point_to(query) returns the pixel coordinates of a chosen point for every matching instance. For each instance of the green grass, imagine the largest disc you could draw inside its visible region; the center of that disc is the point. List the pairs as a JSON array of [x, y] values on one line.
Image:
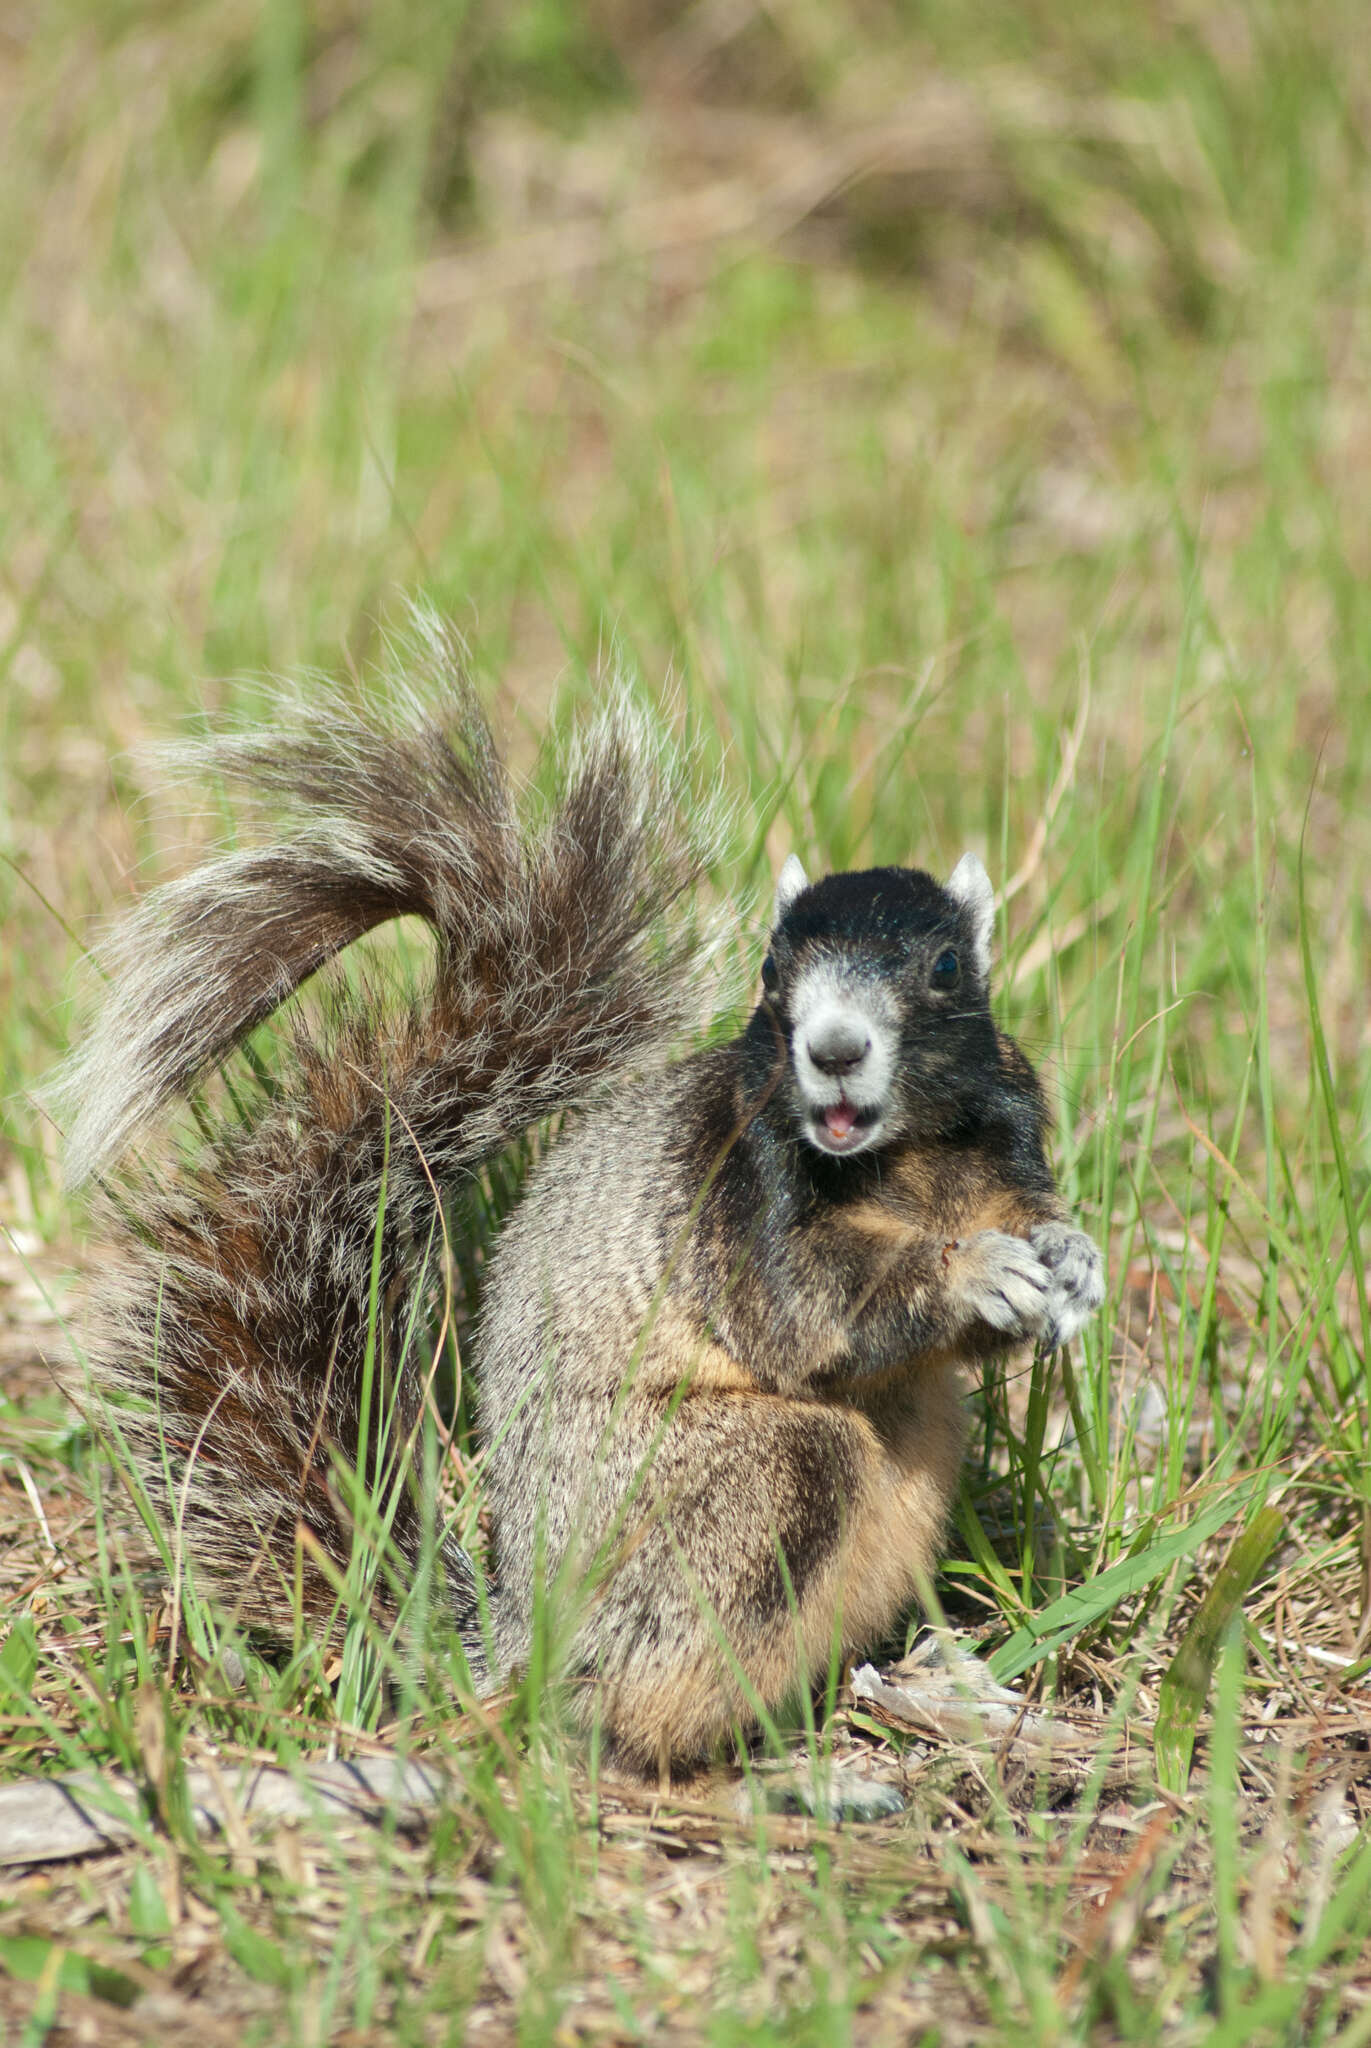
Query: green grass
[[1009, 488]]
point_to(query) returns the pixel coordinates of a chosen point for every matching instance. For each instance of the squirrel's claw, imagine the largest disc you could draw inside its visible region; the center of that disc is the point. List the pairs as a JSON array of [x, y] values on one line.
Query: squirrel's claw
[[1001, 1280], [1076, 1273]]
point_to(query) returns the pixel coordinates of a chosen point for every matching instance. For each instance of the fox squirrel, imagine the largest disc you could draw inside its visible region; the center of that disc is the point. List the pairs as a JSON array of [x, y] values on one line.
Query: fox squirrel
[[716, 1361]]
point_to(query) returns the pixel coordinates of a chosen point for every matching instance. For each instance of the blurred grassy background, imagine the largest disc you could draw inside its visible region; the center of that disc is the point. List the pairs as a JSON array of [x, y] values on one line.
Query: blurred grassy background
[[965, 408], [886, 373]]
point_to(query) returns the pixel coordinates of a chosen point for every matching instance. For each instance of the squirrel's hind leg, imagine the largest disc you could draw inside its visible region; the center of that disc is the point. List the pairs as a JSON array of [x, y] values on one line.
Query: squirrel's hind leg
[[770, 1537]]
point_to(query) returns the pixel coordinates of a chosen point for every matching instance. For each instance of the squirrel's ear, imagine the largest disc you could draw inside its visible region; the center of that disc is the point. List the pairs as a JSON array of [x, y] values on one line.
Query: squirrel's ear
[[970, 884], [789, 883]]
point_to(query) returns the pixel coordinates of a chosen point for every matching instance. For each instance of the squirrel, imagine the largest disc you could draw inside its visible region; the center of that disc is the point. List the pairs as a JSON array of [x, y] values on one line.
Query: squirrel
[[716, 1359]]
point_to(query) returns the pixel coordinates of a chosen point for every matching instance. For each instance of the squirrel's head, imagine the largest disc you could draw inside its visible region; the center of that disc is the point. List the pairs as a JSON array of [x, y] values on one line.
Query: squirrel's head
[[878, 983]]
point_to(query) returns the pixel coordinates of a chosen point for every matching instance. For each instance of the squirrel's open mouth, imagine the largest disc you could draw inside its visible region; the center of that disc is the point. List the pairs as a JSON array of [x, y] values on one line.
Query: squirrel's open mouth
[[842, 1126]]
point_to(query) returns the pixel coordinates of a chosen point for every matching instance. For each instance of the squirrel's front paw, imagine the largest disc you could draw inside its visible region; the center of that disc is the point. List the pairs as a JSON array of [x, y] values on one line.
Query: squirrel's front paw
[[1076, 1270], [1002, 1281]]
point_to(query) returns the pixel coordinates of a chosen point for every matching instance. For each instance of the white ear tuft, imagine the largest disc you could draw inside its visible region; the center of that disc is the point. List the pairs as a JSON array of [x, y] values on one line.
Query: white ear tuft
[[970, 884], [789, 883]]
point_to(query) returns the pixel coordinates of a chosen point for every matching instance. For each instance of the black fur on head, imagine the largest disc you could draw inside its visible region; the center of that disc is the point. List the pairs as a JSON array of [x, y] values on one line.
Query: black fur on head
[[875, 994]]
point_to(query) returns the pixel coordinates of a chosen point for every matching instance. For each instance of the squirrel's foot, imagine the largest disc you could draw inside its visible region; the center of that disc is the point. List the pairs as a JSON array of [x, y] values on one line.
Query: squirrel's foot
[[1076, 1270], [1002, 1280], [832, 1795]]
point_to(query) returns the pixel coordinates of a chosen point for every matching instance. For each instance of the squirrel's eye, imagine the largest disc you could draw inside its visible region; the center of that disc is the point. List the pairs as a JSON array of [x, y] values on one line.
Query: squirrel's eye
[[770, 977], [947, 970]]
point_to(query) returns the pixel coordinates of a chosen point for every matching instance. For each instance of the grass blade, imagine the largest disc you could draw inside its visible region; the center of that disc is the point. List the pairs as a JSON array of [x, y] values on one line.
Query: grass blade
[[1185, 1687], [1062, 1619]]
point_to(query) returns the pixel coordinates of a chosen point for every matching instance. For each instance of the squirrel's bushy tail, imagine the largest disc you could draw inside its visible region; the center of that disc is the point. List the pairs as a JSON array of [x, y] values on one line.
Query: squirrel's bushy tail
[[250, 1286]]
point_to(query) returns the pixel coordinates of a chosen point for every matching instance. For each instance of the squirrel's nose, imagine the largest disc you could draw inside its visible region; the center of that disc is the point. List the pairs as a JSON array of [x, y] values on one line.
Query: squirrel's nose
[[837, 1047]]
